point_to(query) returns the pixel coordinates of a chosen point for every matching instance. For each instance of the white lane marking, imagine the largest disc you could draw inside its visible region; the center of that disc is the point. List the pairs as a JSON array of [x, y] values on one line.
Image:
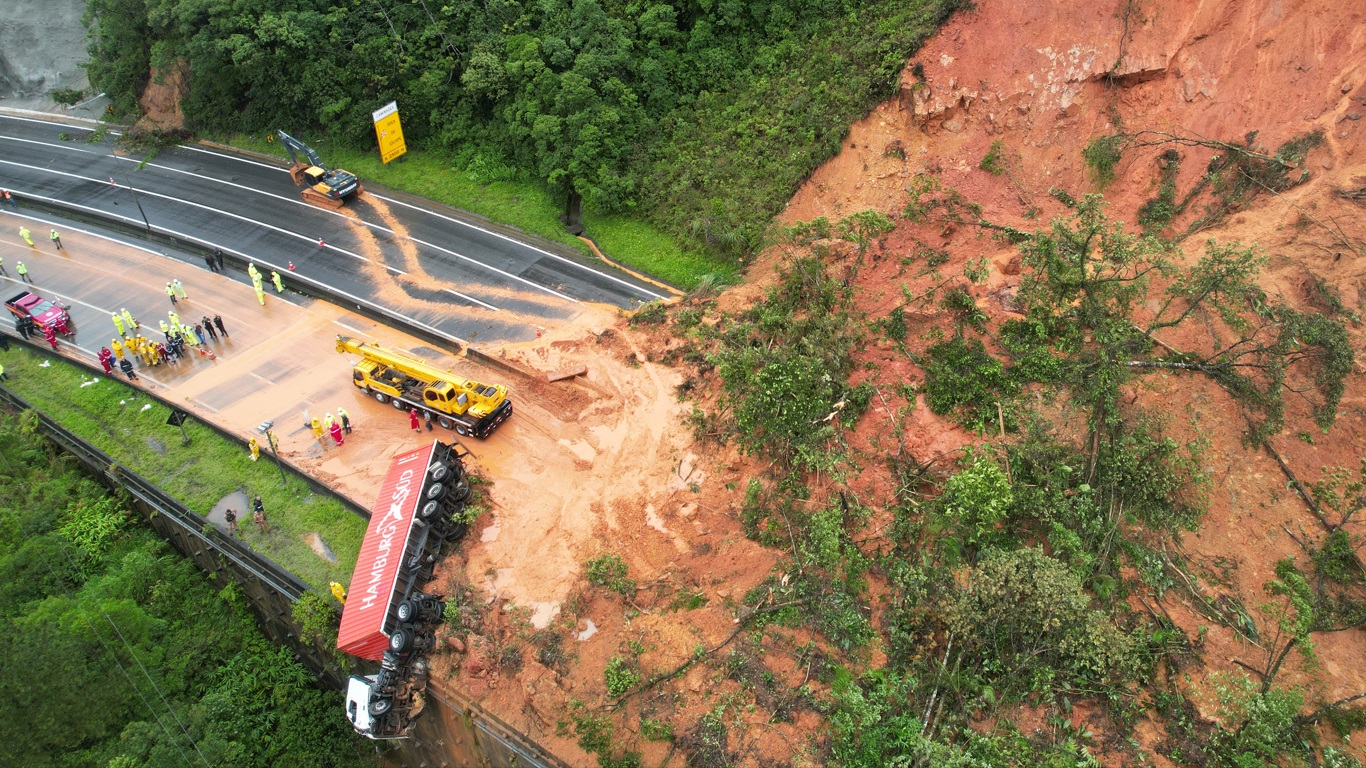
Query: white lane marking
[[317, 284], [453, 220], [55, 145], [395, 270], [471, 298], [60, 124], [67, 225], [528, 246], [232, 156], [200, 206], [351, 328], [466, 224]]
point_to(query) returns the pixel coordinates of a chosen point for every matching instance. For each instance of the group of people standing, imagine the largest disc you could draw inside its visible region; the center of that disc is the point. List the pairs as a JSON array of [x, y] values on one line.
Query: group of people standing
[[132, 344], [337, 428]]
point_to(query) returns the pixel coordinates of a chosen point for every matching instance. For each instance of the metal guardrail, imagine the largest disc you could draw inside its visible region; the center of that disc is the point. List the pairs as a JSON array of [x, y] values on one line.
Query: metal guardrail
[[245, 558], [314, 484], [497, 743]]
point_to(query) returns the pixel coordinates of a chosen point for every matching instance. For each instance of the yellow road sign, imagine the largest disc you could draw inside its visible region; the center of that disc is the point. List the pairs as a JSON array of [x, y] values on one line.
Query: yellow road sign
[[389, 131]]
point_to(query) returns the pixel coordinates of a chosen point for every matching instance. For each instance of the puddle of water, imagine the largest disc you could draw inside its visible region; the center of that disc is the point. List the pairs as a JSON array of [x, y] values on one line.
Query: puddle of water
[[156, 445], [316, 543], [235, 500], [543, 613], [491, 532], [587, 633]]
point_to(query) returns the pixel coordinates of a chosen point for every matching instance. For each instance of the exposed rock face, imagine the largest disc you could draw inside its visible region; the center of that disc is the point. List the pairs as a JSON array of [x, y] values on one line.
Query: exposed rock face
[[42, 44]]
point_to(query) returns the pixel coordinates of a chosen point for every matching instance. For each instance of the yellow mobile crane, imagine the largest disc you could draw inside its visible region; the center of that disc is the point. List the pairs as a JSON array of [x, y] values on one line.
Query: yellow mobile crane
[[468, 407]]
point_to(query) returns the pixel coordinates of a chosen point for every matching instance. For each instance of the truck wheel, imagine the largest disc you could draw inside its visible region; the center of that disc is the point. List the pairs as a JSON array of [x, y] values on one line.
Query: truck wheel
[[406, 611], [461, 430], [444, 422], [401, 641], [399, 404], [430, 511], [381, 706], [380, 396], [439, 473]]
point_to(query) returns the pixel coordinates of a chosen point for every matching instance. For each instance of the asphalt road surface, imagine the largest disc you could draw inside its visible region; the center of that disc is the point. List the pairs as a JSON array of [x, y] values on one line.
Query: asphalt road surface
[[444, 272]]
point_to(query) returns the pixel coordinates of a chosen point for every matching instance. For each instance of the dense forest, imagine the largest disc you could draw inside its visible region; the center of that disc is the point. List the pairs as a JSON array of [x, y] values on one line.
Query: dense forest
[[700, 116], [121, 653]]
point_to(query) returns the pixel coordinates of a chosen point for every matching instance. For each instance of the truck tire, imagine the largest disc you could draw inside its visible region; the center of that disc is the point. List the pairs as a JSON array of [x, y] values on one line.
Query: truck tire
[[439, 473], [406, 611], [381, 706], [461, 430], [380, 396], [444, 422], [401, 641], [430, 511], [399, 404], [437, 492]]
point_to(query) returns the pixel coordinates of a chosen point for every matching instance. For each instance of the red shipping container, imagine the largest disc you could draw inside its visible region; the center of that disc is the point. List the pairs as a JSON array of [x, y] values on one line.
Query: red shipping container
[[365, 623]]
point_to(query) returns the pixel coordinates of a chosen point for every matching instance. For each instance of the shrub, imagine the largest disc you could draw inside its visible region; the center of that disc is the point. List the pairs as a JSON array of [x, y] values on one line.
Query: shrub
[[962, 380], [609, 570], [621, 676]]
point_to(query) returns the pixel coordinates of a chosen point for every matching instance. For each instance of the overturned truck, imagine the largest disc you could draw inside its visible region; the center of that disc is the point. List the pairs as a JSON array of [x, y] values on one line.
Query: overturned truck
[[389, 617]]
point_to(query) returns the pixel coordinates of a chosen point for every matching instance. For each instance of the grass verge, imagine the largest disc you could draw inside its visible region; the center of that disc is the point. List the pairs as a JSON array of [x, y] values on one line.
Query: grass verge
[[131, 427], [525, 205]]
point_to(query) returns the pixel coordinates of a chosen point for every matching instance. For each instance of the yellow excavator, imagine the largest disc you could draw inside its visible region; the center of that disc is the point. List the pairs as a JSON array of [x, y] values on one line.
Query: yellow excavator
[[328, 187], [470, 408]]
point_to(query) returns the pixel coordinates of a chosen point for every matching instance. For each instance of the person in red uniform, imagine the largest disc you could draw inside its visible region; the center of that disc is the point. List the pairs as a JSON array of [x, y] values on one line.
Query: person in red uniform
[[105, 357], [51, 337]]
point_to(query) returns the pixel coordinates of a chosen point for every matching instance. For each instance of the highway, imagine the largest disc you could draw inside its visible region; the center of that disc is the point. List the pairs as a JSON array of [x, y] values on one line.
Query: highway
[[442, 270]]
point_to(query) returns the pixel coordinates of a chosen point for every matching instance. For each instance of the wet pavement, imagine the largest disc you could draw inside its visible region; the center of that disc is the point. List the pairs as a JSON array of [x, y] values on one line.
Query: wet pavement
[[442, 269]]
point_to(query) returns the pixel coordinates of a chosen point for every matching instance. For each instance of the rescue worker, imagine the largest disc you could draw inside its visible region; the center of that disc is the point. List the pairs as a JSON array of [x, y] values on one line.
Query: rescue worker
[[117, 347], [23, 272], [27, 235], [129, 321], [165, 329], [106, 360], [56, 239], [51, 336], [127, 369], [317, 426], [179, 289], [118, 322], [345, 420], [327, 422], [275, 278], [255, 449], [170, 293], [175, 319], [260, 294]]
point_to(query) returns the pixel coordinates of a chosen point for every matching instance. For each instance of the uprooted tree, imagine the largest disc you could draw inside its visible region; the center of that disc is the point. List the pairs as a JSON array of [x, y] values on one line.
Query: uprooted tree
[[1088, 294]]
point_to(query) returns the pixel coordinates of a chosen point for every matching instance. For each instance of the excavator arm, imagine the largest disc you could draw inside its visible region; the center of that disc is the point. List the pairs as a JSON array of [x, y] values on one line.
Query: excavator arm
[[296, 148]]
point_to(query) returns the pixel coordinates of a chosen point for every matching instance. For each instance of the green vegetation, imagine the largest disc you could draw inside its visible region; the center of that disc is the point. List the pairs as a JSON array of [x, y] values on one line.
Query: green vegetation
[[124, 655], [608, 570], [700, 119], [621, 676], [1012, 574], [132, 429], [993, 162]]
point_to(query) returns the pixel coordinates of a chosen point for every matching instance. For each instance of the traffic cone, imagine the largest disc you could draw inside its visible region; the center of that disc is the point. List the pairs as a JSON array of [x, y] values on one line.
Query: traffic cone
[[291, 266], [321, 243], [212, 356]]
